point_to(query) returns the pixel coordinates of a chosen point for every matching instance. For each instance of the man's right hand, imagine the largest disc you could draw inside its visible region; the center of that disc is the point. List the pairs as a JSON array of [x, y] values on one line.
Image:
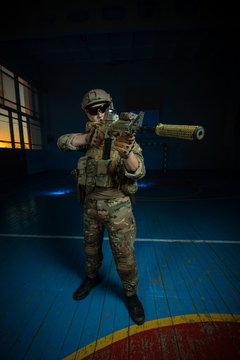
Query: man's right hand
[[95, 137]]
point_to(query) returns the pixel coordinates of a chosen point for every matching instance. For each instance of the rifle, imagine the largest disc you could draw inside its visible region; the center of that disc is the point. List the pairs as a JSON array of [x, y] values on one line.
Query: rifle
[[130, 123]]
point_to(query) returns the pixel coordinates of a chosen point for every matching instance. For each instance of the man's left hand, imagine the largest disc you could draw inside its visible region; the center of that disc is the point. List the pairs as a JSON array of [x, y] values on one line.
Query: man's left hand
[[124, 144]]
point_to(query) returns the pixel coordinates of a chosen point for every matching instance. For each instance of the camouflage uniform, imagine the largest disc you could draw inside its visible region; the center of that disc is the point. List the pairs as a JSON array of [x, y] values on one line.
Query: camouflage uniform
[[104, 187]]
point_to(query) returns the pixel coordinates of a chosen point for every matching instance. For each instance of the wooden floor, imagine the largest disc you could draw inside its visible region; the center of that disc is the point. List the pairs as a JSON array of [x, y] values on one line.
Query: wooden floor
[[188, 255]]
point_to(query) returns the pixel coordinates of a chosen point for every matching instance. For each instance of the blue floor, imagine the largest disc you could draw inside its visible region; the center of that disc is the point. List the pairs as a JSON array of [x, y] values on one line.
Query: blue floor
[[187, 249]]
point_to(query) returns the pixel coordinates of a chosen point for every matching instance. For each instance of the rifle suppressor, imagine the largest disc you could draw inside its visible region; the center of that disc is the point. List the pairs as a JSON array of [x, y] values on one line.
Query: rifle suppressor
[[188, 132]]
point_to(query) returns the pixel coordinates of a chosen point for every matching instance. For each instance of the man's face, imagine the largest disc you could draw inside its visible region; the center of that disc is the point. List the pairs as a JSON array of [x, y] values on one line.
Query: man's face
[[95, 113]]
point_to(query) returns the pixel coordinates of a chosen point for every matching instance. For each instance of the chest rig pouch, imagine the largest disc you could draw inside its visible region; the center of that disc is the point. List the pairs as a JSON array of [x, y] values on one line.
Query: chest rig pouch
[[104, 173], [91, 173]]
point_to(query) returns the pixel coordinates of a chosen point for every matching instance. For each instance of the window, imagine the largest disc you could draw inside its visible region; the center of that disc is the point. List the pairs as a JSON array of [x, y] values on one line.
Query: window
[[20, 126]]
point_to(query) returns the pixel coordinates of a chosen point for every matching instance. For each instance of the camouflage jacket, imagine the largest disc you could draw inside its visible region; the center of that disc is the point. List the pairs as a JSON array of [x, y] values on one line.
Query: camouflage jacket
[[92, 171]]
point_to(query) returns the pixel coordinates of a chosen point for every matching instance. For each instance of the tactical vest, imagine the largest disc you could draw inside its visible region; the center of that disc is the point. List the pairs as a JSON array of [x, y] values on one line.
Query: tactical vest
[[93, 171]]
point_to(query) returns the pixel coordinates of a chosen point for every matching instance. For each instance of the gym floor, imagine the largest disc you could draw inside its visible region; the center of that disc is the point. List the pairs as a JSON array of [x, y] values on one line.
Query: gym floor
[[187, 250]]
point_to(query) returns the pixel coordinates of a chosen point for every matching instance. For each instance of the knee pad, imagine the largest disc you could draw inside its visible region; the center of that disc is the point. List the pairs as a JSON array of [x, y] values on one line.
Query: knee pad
[[91, 250], [125, 268]]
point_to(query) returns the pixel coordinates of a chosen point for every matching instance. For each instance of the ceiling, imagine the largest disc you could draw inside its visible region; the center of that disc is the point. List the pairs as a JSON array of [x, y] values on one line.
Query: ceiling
[[118, 32]]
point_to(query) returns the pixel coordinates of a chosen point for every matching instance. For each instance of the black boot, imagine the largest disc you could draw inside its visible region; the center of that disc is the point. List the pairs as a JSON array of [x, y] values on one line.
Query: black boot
[[84, 289], [135, 309]]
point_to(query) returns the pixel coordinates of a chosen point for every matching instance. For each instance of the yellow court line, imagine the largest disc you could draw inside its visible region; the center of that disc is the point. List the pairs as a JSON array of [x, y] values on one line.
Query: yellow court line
[[149, 325]]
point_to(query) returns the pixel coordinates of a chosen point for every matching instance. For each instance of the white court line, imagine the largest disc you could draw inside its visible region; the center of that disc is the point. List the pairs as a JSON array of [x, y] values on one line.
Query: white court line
[[137, 239]]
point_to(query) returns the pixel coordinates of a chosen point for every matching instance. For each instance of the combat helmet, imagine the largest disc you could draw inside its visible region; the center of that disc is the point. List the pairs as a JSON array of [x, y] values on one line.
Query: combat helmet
[[95, 96]]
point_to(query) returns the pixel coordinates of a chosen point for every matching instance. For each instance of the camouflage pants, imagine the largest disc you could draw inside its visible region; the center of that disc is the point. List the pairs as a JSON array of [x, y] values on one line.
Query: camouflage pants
[[117, 217]]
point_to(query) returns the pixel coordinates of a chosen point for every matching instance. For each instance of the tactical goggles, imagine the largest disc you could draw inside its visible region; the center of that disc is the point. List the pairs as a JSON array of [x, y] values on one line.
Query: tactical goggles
[[94, 110]]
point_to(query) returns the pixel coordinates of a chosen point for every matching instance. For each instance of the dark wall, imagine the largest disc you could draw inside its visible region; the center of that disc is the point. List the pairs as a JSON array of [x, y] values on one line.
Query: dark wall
[[180, 58], [203, 93]]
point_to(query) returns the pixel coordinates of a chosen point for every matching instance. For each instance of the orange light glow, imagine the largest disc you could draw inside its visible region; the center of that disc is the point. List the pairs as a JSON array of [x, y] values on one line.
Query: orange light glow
[[5, 145]]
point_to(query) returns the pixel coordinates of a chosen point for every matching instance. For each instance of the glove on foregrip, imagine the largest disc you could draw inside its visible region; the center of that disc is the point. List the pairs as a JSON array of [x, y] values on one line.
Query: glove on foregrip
[[124, 145]]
